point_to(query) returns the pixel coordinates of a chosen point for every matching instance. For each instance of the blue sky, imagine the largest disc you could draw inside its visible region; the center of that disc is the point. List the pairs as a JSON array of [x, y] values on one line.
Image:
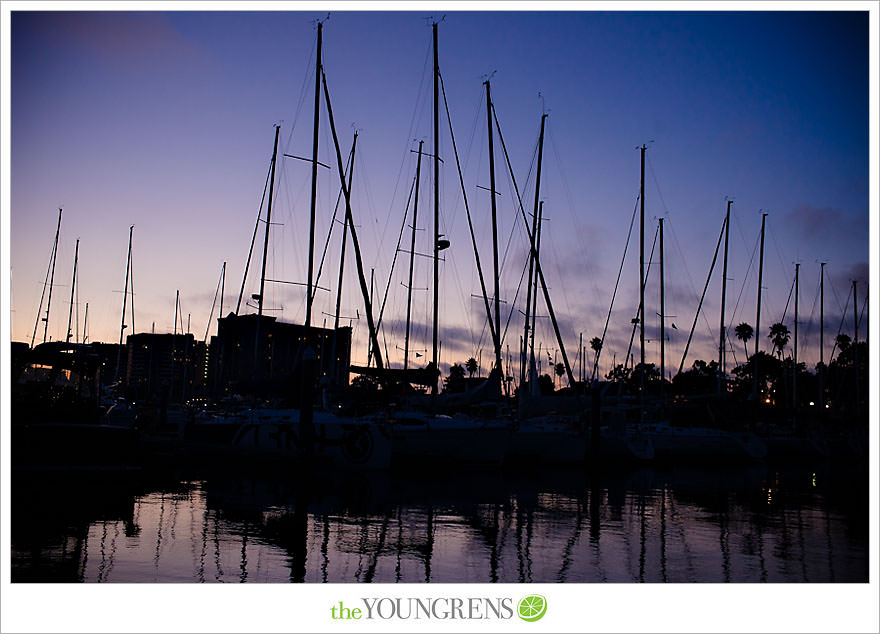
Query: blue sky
[[165, 121]]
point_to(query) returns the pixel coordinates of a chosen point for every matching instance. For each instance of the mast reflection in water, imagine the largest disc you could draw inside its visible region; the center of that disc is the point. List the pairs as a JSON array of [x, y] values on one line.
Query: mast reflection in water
[[760, 523]]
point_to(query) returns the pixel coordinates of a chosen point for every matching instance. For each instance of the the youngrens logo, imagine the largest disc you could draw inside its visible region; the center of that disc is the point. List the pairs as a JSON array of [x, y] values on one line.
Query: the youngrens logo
[[530, 608]]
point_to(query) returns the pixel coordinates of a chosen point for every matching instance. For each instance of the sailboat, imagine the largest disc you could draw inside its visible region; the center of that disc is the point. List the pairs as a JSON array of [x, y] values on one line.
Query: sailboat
[[300, 436]]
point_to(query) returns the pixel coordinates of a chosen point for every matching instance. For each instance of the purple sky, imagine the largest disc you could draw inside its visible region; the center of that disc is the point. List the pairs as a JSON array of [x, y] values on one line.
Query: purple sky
[[164, 121]]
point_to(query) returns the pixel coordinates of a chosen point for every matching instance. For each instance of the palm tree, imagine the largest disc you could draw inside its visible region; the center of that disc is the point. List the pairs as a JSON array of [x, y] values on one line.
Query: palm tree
[[779, 335], [596, 345], [471, 365], [559, 369], [744, 333]]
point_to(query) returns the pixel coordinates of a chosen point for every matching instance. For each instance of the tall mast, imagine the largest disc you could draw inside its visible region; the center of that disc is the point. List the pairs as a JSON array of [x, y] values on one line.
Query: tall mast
[[856, 345], [797, 270], [536, 252], [494, 228], [268, 224], [528, 311], [412, 252], [436, 210], [86, 325], [318, 67], [333, 358], [52, 279], [72, 291], [662, 317], [721, 343], [368, 304], [222, 286], [547, 301], [122, 326], [758, 312], [642, 275], [822, 338], [344, 240]]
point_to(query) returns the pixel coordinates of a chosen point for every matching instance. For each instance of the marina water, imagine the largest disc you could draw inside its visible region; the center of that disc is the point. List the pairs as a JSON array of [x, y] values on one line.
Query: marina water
[[760, 522]]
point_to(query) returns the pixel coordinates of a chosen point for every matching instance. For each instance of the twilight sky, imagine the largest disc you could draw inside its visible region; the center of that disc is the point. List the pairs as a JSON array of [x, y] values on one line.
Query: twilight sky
[[165, 121]]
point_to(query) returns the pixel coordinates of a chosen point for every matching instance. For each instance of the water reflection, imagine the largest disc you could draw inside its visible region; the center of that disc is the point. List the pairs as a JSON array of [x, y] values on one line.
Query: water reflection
[[746, 524]]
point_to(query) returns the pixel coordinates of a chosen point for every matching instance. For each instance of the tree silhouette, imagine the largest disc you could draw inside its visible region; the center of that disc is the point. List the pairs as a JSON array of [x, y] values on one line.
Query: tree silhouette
[[779, 335], [744, 333], [455, 381], [471, 365], [843, 342], [559, 369], [596, 345]]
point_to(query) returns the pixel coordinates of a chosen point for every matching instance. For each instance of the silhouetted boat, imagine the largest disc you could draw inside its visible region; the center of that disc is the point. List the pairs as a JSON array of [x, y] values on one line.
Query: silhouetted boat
[[278, 435], [702, 443], [57, 420]]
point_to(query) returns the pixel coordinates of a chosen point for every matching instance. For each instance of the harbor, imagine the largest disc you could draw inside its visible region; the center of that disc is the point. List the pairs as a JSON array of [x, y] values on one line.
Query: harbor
[[310, 327]]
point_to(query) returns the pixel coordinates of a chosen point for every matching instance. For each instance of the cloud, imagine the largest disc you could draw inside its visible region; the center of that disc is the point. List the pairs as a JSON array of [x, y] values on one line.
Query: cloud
[[119, 38], [826, 224]]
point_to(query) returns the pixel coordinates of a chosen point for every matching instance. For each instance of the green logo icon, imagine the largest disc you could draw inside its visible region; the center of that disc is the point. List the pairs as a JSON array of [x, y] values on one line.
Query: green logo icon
[[532, 608]]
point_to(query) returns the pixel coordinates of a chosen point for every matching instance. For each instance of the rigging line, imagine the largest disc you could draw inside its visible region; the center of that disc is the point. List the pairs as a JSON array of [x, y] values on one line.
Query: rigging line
[[561, 171], [329, 234], [839, 328], [672, 233], [510, 190], [686, 270], [742, 288], [515, 297], [616, 285], [837, 298], [788, 301], [254, 238], [513, 231], [211, 316], [495, 336], [862, 312], [705, 288], [396, 252], [657, 185], [809, 331], [46, 283], [635, 323], [412, 124], [131, 283], [539, 269]]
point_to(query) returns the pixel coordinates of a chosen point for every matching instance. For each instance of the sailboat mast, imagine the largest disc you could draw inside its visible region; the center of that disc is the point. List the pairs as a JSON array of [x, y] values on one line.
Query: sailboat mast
[[856, 345], [86, 325], [268, 224], [344, 241], [722, 348], [318, 66], [533, 374], [758, 313], [797, 270], [72, 292], [52, 279], [368, 304], [494, 227], [436, 212], [222, 287], [124, 301], [822, 337], [642, 273], [662, 316], [528, 312], [528, 336], [412, 251]]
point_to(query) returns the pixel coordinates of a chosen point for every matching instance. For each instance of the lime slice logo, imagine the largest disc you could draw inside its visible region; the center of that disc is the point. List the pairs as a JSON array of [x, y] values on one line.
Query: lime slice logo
[[532, 608]]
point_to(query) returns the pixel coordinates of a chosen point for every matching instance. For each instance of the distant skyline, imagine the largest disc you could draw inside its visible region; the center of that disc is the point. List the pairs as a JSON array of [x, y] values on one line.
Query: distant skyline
[[165, 121]]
